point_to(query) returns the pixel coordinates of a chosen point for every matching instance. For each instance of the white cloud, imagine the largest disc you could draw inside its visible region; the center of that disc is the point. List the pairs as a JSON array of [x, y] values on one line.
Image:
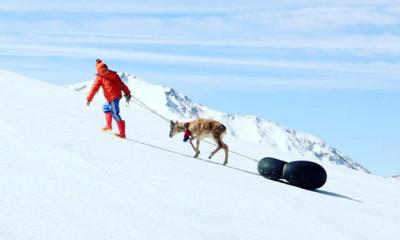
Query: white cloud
[[143, 56], [256, 21], [73, 30], [321, 19], [131, 6], [264, 84], [386, 44], [177, 6]]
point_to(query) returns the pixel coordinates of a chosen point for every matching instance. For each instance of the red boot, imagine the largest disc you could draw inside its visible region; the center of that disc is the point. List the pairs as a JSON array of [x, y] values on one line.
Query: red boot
[[108, 126], [121, 127]]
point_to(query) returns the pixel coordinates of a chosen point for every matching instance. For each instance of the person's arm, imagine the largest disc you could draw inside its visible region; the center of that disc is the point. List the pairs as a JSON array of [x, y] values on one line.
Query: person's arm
[[95, 87], [124, 88]]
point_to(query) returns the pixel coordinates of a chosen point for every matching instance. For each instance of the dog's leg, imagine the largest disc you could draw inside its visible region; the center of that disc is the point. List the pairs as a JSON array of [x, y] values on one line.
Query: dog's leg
[[221, 145], [215, 151], [197, 148], [191, 143]]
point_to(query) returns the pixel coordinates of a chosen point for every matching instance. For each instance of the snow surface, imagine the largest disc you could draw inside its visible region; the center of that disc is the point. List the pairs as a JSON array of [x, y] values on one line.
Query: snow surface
[[175, 105], [62, 178]]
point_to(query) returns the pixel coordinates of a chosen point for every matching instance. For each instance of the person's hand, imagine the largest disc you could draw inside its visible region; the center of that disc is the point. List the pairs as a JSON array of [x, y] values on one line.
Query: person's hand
[[128, 98], [88, 103]]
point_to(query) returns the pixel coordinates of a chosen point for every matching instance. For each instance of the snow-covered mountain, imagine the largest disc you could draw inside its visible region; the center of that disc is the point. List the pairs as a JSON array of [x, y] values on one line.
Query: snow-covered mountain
[[62, 178], [397, 177], [175, 105]]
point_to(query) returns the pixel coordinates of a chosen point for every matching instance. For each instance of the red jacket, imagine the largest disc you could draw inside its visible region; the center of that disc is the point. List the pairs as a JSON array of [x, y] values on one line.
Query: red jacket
[[111, 83]]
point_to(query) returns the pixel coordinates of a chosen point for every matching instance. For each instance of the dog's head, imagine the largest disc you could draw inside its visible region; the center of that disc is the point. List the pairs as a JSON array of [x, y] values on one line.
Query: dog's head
[[173, 128]]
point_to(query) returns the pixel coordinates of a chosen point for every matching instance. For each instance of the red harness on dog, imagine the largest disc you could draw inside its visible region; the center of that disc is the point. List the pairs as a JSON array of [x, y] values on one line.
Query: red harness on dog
[[187, 134]]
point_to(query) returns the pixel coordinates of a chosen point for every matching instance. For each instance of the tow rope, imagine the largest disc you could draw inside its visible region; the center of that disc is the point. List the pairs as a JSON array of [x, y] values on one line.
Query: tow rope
[[144, 106]]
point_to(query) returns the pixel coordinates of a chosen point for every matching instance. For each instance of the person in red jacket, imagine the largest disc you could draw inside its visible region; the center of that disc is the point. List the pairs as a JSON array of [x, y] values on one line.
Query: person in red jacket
[[112, 86]]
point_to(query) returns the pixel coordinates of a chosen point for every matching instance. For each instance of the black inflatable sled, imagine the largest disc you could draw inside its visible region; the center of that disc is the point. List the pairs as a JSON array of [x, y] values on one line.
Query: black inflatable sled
[[305, 174], [271, 168]]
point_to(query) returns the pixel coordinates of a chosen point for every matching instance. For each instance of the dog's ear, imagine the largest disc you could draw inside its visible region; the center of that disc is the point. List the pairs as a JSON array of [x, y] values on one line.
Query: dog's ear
[[171, 123]]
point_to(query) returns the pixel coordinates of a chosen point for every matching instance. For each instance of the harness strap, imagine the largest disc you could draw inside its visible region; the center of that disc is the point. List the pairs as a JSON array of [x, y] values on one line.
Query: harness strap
[[187, 134]]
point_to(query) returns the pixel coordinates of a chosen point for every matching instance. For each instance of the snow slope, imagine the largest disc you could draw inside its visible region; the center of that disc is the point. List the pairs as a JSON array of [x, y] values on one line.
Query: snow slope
[[175, 105], [62, 178]]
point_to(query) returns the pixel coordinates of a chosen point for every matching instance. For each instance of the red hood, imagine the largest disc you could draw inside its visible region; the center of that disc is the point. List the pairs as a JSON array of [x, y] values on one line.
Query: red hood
[[106, 73]]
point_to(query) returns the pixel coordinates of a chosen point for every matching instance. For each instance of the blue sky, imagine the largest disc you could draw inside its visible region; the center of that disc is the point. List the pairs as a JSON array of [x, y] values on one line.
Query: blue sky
[[331, 68]]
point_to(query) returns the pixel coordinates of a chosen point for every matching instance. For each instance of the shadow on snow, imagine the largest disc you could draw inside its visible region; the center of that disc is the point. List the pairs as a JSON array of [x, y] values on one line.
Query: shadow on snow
[[328, 193]]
